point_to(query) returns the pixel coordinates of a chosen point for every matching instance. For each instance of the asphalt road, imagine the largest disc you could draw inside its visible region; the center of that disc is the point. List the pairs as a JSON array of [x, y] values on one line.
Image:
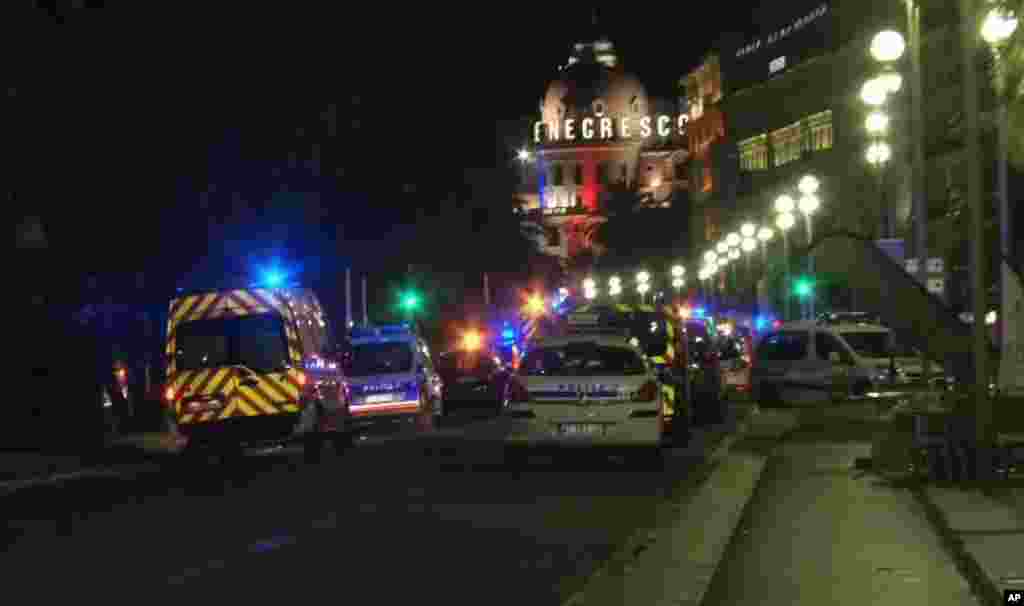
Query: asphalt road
[[386, 523], [820, 531]]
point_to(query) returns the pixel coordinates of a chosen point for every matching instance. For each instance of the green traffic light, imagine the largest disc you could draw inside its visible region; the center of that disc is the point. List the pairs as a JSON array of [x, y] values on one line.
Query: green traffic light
[[803, 287], [410, 301]]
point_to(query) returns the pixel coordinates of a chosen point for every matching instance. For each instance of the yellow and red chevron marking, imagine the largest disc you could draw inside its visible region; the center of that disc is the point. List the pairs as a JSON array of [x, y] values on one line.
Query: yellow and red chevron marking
[[231, 303], [269, 396]]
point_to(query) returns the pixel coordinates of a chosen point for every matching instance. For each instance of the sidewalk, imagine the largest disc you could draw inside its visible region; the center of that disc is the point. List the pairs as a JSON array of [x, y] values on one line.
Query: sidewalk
[[675, 563], [794, 522], [985, 530]]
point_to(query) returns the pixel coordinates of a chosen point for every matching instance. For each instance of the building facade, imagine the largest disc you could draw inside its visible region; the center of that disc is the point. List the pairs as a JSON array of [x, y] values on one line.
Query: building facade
[[790, 106], [597, 132]]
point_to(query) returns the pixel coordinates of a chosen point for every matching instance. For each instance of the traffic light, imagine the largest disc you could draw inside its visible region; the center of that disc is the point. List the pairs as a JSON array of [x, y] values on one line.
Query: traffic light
[[410, 301], [803, 287]]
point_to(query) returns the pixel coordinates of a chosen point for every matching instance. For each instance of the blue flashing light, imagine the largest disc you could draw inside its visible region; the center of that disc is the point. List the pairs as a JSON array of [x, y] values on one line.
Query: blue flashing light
[[273, 278], [698, 312], [761, 323], [508, 334]]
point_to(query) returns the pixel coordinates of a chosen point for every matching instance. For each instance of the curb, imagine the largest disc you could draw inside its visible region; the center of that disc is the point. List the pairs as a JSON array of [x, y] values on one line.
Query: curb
[[986, 589]]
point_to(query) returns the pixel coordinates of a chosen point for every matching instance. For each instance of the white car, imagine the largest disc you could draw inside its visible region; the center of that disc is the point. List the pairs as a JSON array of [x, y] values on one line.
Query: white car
[[588, 390]]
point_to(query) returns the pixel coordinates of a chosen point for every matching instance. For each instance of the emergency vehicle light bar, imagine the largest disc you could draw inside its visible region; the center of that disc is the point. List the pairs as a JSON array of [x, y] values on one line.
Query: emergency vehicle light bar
[[384, 330]]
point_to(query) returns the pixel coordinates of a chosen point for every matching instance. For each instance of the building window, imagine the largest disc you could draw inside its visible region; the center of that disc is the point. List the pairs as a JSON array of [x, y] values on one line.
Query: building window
[[556, 175], [786, 144], [819, 128], [754, 153], [578, 174], [602, 173]]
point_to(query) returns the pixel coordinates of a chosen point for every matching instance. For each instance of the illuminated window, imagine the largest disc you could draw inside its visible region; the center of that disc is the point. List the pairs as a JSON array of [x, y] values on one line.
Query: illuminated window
[[754, 153], [819, 128], [786, 144], [578, 174], [556, 174]]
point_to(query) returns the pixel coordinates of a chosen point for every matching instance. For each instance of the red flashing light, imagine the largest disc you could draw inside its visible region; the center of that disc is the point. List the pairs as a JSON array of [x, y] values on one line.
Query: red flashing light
[[777, 324]]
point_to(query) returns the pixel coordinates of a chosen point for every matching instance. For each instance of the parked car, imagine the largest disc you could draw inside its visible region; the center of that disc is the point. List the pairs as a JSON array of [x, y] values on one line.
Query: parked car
[[476, 379]]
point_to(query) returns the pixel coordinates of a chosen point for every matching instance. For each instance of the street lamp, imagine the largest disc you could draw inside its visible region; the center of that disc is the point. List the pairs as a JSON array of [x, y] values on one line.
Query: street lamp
[[887, 46], [732, 240], [748, 230], [785, 222], [710, 256], [878, 153], [784, 204], [808, 185], [523, 155], [722, 248], [877, 123], [998, 26], [874, 92], [614, 286], [643, 283], [678, 271]]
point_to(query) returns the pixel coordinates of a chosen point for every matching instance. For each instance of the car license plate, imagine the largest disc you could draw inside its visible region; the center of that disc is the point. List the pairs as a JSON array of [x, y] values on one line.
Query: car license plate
[[580, 429], [379, 398]]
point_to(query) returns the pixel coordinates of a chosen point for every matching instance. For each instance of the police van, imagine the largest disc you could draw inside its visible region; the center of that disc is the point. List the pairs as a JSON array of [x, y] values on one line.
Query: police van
[[251, 366], [593, 386], [392, 377]]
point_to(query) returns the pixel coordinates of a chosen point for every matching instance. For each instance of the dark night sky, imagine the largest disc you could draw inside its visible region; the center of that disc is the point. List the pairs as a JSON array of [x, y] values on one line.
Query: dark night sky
[[120, 110]]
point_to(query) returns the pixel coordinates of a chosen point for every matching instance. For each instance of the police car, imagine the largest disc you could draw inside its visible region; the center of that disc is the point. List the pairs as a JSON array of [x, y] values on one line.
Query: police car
[[392, 377], [592, 386]]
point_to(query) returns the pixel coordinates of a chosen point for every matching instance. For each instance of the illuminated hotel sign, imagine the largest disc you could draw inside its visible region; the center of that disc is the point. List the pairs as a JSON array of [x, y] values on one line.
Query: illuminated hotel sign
[[784, 32], [604, 128]]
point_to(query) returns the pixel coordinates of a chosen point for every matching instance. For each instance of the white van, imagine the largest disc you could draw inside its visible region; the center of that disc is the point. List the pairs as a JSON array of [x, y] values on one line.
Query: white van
[[811, 361]]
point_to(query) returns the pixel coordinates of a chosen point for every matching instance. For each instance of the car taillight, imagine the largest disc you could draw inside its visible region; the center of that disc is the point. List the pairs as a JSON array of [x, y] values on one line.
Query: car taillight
[[647, 393], [170, 395], [122, 375]]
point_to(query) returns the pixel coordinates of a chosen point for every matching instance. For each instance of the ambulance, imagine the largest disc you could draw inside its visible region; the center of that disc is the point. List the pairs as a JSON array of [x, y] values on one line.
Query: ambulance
[[254, 366]]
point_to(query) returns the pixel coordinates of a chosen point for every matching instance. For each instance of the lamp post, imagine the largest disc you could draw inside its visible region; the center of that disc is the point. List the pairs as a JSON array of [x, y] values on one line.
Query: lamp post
[[678, 280], [808, 205], [996, 29], [888, 47], [785, 222], [643, 279], [982, 402], [784, 206], [615, 287]]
